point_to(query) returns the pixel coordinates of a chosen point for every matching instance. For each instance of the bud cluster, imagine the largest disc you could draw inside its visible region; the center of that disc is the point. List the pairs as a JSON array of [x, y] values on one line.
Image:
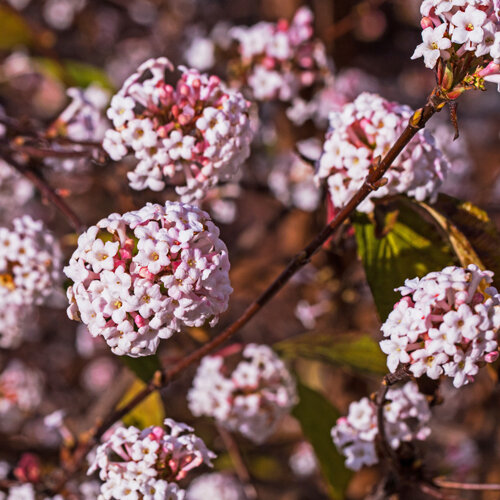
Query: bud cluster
[[446, 323], [30, 262], [462, 39], [365, 130], [278, 60], [145, 464], [140, 276], [251, 399], [195, 133], [406, 415]]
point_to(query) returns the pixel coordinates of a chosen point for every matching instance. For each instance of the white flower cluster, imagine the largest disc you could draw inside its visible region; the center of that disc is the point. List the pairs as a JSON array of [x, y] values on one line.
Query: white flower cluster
[[303, 461], [292, 181], [24, 491], [366, 129], [278, 60], [140, 276], [14, 321], [20, 394], [453, 29], [196, 133], [30, 262], [406, 415], [145, 464], [251, 399], [446, 323], [216, 486], [81, 120]]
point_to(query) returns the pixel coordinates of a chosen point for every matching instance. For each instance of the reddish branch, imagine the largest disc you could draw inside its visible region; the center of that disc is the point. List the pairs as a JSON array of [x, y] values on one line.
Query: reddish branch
[[162, 378], [453, 485]]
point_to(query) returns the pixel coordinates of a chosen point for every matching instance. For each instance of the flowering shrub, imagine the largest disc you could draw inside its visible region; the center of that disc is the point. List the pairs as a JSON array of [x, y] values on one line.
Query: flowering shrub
[[215, 485], [141, 276], [406, 415], [197, 130], [278, 60], [457, 32], [145, 464], [30, 261], [251, 399], [364, 130], [446, 323]]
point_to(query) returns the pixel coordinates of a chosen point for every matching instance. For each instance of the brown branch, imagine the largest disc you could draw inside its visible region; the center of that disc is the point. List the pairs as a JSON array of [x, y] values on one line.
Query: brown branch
[[239, 464], [47, 192], [453, 485], [373, 181], [38, 152]]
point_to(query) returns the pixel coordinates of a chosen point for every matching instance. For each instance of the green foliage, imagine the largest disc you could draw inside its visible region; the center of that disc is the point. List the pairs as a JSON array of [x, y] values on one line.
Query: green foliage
[[149, 412], [317, 416], [405, 247], [144, 367], [14, 29], [360, 353]]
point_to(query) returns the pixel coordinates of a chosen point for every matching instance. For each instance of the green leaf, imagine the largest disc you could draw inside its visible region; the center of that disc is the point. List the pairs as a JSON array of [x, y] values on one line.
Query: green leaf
[[14, 29], [471, 232], [411, 247], [317, 416], [83, 74], [149, 412], [360, 353], [144, 367]]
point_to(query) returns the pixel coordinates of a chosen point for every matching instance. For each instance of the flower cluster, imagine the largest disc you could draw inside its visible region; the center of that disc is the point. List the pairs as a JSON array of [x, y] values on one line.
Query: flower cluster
[[446, 323], [15, 190], [81, 120], [30, 262], [145, 464], [140, 276], [20, 394], [303, 461], [460, 29], [195, 133], [278, 60], [251, 399], [14, 321], [217, 486], [366, 129], [406, 414]]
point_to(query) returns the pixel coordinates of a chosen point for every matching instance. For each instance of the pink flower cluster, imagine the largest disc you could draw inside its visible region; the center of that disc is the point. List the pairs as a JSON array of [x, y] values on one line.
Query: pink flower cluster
[[446, 323], [81, 120], [195, 133], [20, 394], [278, 60], [366, 129], [145, 464], [30, 262], [455, 29], [140, 276], [216, 486], [251, 399], [406, 415]]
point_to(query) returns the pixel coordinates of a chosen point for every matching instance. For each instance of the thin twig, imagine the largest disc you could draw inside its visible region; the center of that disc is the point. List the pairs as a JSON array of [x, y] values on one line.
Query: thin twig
[[37, 152], [239, 464], [40, 183], [372, 182], [453, 485]]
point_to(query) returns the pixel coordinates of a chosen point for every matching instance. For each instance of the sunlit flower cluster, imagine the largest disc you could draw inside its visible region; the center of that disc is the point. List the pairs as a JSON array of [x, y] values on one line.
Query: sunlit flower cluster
[[193, 134], [366, 129], [406, 415], [251, 399], [216, 485], [446, 323], [20, 394], [141, 276], [30, 262], [278, 60], [460, 29], [81, 121], [145, 464]]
